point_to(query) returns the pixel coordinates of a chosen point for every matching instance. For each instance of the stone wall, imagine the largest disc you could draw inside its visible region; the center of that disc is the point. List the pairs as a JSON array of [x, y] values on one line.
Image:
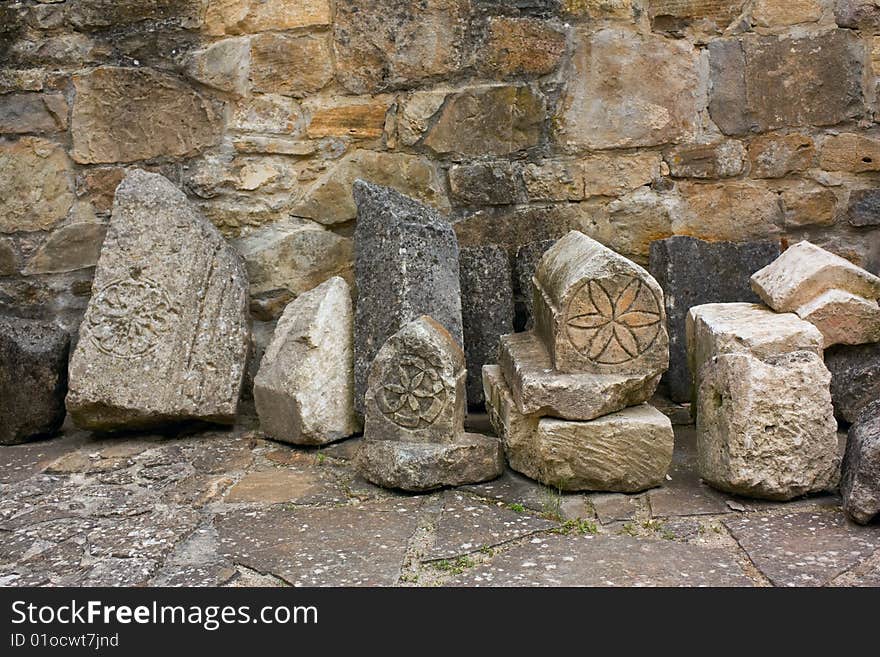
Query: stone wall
[[630, 120]]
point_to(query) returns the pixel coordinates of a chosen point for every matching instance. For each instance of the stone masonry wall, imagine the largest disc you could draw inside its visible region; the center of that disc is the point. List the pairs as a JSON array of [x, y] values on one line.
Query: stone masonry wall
[[630, 120]]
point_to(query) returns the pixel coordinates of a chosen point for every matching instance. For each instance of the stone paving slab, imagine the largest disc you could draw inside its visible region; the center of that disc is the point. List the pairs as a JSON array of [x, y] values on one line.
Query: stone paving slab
[[606, 561]]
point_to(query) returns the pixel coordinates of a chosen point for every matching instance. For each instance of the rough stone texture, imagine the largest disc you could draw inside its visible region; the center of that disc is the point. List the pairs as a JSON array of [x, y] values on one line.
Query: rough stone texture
[[165, 334], [491, 183], [360, 119], [860, 476], [243, 16], [776, 156], [390, 43], [330, 201], [838, 297], [762, 83], [809, 205], [33, 379], [538, 389], [516, 430], [496, 120], [8, 259], [527, 258], [776, 13], [304, 390], [32, 112], [607, 561], [857, 14], [715, 329], [486, 310], [599, 312], [290, 65], [850, 152], [855, 378], [521, 46], [766, 428], [732, 212], [724, 159], [864, 207], [676, 15], [71, 247], [129, 114], [295, 256], [36, 186], [406, 265], [223, 65], [693, 272], [628, 90]]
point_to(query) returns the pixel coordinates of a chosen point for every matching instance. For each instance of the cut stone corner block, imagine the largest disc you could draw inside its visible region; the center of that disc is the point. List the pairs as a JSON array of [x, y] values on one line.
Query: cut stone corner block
[[765, 426], [304, 390], [838, 297], [597, 311], [860, 477]]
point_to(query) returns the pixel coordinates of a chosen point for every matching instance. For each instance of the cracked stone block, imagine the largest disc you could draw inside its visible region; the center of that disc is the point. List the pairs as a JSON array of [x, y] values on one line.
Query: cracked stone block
[[33, 379], [598, 311], [838, 297], [860, 479], [406, 265], [714, 329], [855, 378], [414, 436], [165, 335], [304, 390], [766, 427]]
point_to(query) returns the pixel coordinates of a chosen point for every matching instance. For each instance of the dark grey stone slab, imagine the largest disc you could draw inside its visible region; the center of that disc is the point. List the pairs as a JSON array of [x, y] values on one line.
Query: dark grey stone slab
[[527, 258], [855, 378], [406, 265], [344, 546], [589, 560], [33, 379], [486, 310], [864, 207], [860, 479], [803, 549], [693, 272]]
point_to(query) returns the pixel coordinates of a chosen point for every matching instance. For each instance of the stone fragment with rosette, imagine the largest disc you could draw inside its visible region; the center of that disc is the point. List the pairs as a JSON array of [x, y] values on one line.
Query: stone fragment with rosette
[[597, 311]]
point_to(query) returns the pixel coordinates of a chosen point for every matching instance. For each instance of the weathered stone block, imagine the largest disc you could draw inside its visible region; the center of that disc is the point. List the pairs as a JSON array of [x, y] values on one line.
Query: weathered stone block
[[32, 112], [725, 159], [495, 120], [850, 152], [33, 379], [762, 83], [223, 65], [675, 15], [8, 259], [838, 297], [527, 258], [864, 207], [715, 329], [538, 389], [858, 14], [36, 185], [766, 428], [599, 312], [521, 46], [628, 90], [860, 477], [808, 204], [693, 272], [165, 334], [290, 65], [387, 44], [358, 118], [489, 183], [516, 430], [732, 212], [615, 175], [486, 310], [776, 156], [634, 221], [249, 16], [555, 180], [129, 114], [71, 247], [406, 265], [855, 378], [304, 390], [779, 13]]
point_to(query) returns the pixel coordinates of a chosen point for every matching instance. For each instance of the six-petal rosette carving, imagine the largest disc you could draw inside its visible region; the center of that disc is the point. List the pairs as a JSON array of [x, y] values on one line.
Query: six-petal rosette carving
[[613, 321], [413, 395], [129, 316]]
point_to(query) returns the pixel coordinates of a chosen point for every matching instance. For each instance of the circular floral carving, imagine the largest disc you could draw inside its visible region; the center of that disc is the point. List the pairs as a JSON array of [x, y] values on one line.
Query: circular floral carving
[[614, 321], [413, 395], [128, 317]]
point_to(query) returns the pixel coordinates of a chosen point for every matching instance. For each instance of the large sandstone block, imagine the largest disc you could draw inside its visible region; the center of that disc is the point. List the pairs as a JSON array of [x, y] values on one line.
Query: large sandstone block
[[599, 312], [248, 16], [129, 114], [414, 436], [406, 265], [290, 65], [629, 90], [539, 389], [766, 428], [486, 310], [516, 429], [33, 379], [36, 185], [693, 272], [838, 297], [165, 334], [521, 46], [855, 378], [762, 83], [304, 390], [21, 113], [860, 476], [858, 14], [715, 329]]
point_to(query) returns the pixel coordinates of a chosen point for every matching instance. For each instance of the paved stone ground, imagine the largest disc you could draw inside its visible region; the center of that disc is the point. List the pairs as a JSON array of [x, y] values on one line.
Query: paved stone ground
[[215, 507]]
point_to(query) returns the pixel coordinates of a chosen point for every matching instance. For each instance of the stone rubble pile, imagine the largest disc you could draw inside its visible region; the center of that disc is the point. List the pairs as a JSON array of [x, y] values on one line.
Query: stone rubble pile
[[568, 397]]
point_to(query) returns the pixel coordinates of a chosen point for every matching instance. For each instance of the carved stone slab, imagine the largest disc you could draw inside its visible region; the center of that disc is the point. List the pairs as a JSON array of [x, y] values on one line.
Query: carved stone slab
[[406, 265], [165, 333], [304, 390], [598, 311]]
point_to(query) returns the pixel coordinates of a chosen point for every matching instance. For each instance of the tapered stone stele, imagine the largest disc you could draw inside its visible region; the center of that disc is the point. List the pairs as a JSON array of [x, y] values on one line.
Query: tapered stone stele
[[598, 311], [165, 334], [304, 390]]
